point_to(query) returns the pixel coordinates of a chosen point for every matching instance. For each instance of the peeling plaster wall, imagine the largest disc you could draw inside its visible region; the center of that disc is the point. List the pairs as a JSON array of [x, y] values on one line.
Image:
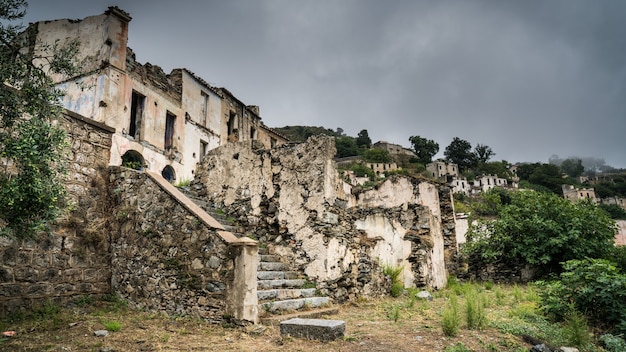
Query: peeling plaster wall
[[293, 200], [200, 126]]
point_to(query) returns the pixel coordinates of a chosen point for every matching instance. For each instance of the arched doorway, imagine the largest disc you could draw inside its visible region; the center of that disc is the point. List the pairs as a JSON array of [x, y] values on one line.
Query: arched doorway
[[168, 173], [134, 160]]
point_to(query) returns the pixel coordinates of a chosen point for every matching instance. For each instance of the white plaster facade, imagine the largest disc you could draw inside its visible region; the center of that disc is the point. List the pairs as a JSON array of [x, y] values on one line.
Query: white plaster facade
[[442, 171], [170, 120], [487, 182]]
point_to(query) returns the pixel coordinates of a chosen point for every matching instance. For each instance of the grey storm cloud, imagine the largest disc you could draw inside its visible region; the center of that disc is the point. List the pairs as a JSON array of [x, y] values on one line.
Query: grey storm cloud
[[528, 78]]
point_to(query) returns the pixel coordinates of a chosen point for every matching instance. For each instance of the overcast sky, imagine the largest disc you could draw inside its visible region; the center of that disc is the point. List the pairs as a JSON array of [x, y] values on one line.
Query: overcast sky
[[528, 78]]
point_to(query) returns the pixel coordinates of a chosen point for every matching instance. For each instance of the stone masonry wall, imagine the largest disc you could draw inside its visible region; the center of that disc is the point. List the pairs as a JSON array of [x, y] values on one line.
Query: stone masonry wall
[[72, 260], [291, 198], [166, 258]]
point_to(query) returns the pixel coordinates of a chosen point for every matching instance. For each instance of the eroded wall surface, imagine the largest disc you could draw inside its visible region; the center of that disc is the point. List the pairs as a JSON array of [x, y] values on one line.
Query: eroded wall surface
[[292, 199]]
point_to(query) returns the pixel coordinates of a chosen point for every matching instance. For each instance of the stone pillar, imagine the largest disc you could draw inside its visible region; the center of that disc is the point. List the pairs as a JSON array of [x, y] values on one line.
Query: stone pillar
[[241, 300]]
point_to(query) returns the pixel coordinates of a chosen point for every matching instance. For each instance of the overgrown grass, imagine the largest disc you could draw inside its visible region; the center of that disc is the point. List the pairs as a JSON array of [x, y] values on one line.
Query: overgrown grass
[[450, 318], [397, 285], [112, 325], [475, 310]]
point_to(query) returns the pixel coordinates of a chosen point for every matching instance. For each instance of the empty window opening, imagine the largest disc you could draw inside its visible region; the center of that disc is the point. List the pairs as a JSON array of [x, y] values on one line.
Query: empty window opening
[[133, 159], [136, 114], [252, 133], [232, 126], [204, 146], [168, 173], [273, 142], [204, 113], [170, 121]]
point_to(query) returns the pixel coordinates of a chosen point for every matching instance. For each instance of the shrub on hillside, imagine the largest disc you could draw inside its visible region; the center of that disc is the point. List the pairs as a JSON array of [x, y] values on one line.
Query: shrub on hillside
[[541, 230], [594, 287]]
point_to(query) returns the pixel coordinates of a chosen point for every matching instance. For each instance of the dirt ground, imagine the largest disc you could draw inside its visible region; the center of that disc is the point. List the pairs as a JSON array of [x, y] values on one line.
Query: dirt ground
[[390, 324]]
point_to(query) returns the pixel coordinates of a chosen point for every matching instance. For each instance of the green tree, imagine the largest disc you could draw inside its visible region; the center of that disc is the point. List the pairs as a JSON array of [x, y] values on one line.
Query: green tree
[[572, 167], [31, 143], [542, 230], [424, 148], [459, 151], [346, 146], [377, 155], [363, 139], [547, 176], [500, 168], [483, 153], [614, 211]]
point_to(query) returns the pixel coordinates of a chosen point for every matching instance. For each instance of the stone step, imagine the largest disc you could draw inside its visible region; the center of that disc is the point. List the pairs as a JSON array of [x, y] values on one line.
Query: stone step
[[283, 283], [263, 250], [277, 275], [313, 329], [294, 304], [272, 266], [285, 293], [269, 258], [274, 320]]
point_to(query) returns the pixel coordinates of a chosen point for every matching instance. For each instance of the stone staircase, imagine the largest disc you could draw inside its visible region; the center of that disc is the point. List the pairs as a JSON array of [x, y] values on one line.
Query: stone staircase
[[282, 294], [227, 222]]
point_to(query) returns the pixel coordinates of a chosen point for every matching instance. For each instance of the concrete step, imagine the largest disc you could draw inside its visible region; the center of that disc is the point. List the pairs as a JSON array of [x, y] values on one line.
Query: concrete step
[[285, 293], [294, 304], [277, 275], [313, 329], [274, 320], [272, 266], [269, 258], [283, 283]]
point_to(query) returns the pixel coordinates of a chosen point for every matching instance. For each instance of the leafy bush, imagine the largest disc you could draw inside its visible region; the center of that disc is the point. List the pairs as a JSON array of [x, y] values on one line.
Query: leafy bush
[[593, 286], [541, 230], [361, 170], [613, 343], [614, 211], [377, 155], [618, 256]]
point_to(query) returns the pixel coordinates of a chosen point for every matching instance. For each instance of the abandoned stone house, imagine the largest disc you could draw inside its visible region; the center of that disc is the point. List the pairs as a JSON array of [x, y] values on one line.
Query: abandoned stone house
[[261, 217], [443, 171], [165, 122], [574, 194], [393, 149]]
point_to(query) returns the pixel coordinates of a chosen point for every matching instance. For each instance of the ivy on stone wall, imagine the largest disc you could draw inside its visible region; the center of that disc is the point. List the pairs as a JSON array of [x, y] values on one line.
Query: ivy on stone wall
[[31, 142]]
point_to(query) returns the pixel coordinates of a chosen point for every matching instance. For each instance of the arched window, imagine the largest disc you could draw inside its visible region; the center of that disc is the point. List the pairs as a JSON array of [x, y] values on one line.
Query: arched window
[[134, 160], [168, 173]]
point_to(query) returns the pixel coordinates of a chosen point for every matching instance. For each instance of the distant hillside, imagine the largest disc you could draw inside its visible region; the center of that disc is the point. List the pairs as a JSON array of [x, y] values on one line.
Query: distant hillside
[[302, 133]]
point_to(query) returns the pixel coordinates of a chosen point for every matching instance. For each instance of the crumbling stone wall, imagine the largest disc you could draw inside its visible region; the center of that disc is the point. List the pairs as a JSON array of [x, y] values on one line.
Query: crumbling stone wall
[[168, 258], [292, 200], [72, 260]]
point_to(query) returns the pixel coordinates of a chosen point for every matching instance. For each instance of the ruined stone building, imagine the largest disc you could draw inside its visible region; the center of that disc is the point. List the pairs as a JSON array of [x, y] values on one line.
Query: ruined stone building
[[393, 149], [443, 171], [260, 218], [574, 194], [164, 122]]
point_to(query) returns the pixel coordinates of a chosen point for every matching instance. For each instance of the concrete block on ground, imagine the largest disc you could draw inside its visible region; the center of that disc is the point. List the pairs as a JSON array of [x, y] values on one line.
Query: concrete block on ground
[[313, 329]]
